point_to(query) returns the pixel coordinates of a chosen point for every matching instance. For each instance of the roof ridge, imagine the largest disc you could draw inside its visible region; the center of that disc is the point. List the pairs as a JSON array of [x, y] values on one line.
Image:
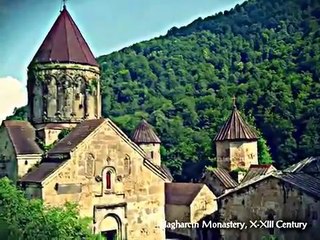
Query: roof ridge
[[236, 128]]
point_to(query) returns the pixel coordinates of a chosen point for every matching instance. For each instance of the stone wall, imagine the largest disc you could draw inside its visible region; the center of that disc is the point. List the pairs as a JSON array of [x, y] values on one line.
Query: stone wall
[[203, 205], [153, 152], [270, 197], [179, 213], [33, 191], [223, 155], [8, 161], [26, 162], [135, 198], [49, 134], [63, 93], [213, 183], [235, 155]]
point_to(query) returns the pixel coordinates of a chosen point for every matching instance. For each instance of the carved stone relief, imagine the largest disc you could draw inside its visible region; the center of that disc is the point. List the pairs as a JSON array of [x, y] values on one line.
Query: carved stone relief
[[78, 107], [68, 97], [37, 100], [89, 165], [127, 165], [50, 91]]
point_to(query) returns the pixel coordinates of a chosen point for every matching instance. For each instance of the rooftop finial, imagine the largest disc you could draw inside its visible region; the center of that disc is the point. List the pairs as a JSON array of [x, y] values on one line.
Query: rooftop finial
[[64, 4], [234, 101]]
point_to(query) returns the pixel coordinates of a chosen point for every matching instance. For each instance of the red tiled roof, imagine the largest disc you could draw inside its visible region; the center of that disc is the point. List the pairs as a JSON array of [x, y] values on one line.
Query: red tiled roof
[[65, 44], [145, 134], [236, 128], [181, 193], [22, 135]]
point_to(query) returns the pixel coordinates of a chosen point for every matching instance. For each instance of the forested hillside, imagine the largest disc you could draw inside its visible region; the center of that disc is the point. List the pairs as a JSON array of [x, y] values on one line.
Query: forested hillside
[[265, 52]]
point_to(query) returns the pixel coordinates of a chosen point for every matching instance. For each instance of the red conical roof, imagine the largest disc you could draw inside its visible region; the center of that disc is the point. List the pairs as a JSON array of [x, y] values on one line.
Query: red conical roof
[[236, 128], [64, 44], [145, 134]]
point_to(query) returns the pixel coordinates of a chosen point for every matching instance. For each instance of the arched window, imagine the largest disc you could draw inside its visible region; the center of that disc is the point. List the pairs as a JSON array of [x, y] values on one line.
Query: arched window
[[108, 180]]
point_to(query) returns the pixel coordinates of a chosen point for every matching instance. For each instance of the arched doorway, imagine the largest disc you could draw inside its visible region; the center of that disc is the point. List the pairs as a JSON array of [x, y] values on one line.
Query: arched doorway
[[110, 227]]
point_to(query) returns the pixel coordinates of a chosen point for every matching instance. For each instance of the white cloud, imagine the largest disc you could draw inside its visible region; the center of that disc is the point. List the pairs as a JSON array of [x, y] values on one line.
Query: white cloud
[[13, 93]]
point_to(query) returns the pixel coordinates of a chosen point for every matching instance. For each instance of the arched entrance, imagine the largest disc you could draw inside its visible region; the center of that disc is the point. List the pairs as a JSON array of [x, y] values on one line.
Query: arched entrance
[[110, 227]]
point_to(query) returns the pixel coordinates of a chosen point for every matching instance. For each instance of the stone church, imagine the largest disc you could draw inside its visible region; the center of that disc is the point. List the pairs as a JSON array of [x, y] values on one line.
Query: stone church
[[66, 152]]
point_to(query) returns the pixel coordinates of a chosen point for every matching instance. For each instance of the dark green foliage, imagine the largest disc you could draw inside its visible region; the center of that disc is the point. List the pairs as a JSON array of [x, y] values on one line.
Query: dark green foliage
[[19, 114], [264, 156], [64, 132], [267, 53], [31, 220]]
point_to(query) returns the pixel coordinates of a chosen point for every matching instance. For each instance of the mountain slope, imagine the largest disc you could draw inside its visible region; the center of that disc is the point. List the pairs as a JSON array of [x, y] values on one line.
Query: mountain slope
[[266, 53]]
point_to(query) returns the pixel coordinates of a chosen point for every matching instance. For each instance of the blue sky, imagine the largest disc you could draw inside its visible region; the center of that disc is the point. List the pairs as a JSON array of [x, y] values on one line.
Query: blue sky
[[107, 25]]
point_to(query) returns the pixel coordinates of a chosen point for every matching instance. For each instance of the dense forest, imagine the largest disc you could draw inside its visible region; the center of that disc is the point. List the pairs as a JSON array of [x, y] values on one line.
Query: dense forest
[[267, 53]]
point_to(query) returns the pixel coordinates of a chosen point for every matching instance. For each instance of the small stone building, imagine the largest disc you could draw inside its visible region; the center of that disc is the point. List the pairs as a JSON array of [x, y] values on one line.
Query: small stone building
[[18, 150], [277, 197], [188, 203]]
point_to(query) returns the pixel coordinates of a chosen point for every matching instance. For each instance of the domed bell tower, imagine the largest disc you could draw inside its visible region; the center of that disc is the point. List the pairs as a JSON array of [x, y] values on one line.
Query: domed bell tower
[[63, 79], [147, 139], [236, 144]]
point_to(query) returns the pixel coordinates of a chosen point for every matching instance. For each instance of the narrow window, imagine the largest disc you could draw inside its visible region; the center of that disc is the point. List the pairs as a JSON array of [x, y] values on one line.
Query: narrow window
[[151, 154], [108, 180]]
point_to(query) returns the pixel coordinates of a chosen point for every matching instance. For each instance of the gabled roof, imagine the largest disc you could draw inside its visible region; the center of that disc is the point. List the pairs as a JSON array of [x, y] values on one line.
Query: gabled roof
[[22, 136], [182, 193], [236, 128], [258, 170], [305, 166], [76, 136], [166, 170], [39, 174], [84, 129], [64, 44], [301, 181], [224, 177], [145, 134]]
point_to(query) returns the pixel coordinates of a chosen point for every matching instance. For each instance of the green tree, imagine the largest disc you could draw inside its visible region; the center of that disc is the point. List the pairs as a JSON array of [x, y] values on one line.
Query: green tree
[[25, 219], [264, 156]]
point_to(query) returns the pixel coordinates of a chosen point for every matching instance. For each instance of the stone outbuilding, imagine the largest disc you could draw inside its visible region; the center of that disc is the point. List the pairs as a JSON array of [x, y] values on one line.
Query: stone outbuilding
[[187, 203], [277, 197], [18, 150]]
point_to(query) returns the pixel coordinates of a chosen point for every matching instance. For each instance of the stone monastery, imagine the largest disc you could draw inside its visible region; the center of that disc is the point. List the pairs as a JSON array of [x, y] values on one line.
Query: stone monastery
[[67, 152]]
